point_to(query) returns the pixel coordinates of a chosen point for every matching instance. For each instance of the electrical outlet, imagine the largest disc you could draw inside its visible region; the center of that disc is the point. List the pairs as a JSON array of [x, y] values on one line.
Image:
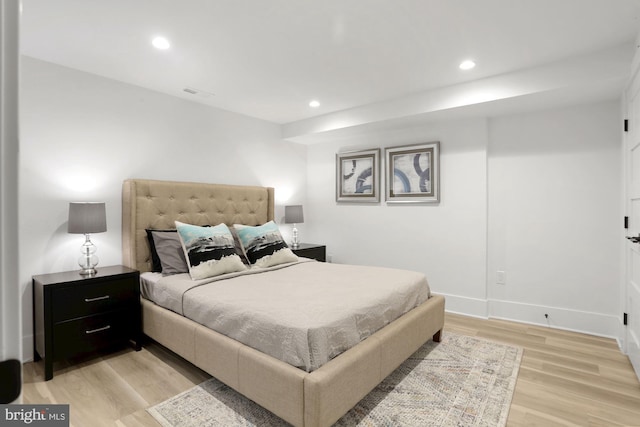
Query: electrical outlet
[[500, 277]]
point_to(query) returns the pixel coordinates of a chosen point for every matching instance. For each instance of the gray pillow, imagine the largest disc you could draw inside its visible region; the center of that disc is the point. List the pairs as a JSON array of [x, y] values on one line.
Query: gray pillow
[[169, 250]]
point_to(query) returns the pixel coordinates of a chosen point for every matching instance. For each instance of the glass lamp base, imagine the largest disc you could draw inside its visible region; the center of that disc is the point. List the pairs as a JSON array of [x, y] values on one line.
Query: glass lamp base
[[295, 241], [88, 260]]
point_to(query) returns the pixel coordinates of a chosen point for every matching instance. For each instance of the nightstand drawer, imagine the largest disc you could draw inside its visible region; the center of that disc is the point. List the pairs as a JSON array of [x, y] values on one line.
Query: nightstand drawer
[[79, 301], [91, 333]]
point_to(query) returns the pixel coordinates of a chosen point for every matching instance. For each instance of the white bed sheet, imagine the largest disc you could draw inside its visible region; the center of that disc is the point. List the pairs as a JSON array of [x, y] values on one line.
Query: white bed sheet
[[304, 313]]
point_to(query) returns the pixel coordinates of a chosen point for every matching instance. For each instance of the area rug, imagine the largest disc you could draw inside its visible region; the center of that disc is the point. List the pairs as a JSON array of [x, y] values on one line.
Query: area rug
[[461, 381]]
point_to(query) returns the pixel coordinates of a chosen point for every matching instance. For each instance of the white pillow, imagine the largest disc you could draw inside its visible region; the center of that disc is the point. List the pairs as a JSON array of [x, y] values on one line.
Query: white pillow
[[263, 245], [210, 251]]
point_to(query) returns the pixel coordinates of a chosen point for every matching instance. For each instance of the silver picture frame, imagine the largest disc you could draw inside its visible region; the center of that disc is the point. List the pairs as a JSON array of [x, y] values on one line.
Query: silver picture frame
[[358, 176], [413, 173]]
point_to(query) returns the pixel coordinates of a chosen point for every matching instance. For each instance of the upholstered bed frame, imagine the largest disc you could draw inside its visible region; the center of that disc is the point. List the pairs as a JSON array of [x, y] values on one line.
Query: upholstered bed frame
[[318, 398]]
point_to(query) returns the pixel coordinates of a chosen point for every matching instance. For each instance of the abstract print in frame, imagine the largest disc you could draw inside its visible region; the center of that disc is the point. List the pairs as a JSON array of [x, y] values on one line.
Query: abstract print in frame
[[358, 176], [413, 173]]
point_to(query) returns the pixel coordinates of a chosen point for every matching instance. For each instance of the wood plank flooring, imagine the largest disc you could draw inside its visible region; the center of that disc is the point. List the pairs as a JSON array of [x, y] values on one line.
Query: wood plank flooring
[[565, 379]]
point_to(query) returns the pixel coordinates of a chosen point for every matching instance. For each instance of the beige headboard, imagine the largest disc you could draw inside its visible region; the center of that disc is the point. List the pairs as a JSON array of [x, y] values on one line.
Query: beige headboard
[[157, 204]]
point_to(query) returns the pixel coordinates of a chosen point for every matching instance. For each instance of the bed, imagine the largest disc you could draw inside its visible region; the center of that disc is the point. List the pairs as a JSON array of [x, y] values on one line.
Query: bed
[[316, 398]]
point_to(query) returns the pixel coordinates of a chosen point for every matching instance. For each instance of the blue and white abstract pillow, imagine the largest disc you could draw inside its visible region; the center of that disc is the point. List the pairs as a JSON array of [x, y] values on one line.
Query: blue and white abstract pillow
[[264, 245], [210, 251]]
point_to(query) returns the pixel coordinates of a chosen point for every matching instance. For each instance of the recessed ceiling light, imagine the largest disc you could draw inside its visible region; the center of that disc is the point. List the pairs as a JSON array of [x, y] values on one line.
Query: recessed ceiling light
[[161, 43], [467, 65], [314, 104]]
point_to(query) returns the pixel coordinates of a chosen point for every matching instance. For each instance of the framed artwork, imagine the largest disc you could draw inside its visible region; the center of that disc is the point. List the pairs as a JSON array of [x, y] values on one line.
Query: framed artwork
[[358, 176], [413, 173]]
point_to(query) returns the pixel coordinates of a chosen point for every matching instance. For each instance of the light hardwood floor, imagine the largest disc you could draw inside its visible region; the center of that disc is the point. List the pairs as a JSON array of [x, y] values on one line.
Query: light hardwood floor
[[565, 379]]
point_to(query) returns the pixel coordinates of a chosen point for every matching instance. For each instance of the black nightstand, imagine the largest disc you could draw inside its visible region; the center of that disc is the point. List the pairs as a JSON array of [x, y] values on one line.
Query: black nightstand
[[311, 250], [74, 314]]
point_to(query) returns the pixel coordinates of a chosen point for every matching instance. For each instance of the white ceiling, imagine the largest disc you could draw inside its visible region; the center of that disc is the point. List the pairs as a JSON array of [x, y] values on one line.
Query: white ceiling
[[269, 58]]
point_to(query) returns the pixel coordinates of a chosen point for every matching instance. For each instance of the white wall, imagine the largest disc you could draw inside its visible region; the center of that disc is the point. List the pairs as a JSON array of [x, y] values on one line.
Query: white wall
[[555, 218], [537, 195], [82, 135], [446, 241]]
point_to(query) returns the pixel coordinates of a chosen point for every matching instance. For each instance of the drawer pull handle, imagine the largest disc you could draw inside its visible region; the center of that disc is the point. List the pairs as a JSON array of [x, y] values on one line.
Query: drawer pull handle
[[93, 331], [96, 299]]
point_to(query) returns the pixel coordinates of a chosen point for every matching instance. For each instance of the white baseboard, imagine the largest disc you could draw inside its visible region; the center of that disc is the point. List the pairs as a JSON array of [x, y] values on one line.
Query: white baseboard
[[464, 305], [597, 324]]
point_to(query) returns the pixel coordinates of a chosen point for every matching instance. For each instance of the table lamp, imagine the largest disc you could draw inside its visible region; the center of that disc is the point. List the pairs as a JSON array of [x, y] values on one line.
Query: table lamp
[[293, 215], [87, 218]]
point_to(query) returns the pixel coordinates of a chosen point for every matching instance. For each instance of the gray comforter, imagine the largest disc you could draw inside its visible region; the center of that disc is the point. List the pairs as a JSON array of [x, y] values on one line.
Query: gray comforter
[[303, 313]]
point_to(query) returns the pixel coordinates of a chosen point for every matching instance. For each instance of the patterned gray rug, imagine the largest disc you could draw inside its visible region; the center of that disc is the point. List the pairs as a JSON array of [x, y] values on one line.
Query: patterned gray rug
[[462, 381]]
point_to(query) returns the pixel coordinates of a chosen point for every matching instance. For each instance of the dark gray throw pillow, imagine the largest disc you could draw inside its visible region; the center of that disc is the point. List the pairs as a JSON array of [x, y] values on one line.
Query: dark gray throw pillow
[[169, 250], [156, 267]]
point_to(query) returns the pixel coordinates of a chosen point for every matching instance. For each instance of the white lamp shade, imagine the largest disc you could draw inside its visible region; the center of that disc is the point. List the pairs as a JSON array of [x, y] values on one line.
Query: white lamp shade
[[293, 214], [87, 218]]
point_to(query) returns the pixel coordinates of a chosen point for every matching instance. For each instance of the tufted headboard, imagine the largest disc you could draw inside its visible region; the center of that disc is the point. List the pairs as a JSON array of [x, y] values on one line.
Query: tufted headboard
[[157, 204]]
